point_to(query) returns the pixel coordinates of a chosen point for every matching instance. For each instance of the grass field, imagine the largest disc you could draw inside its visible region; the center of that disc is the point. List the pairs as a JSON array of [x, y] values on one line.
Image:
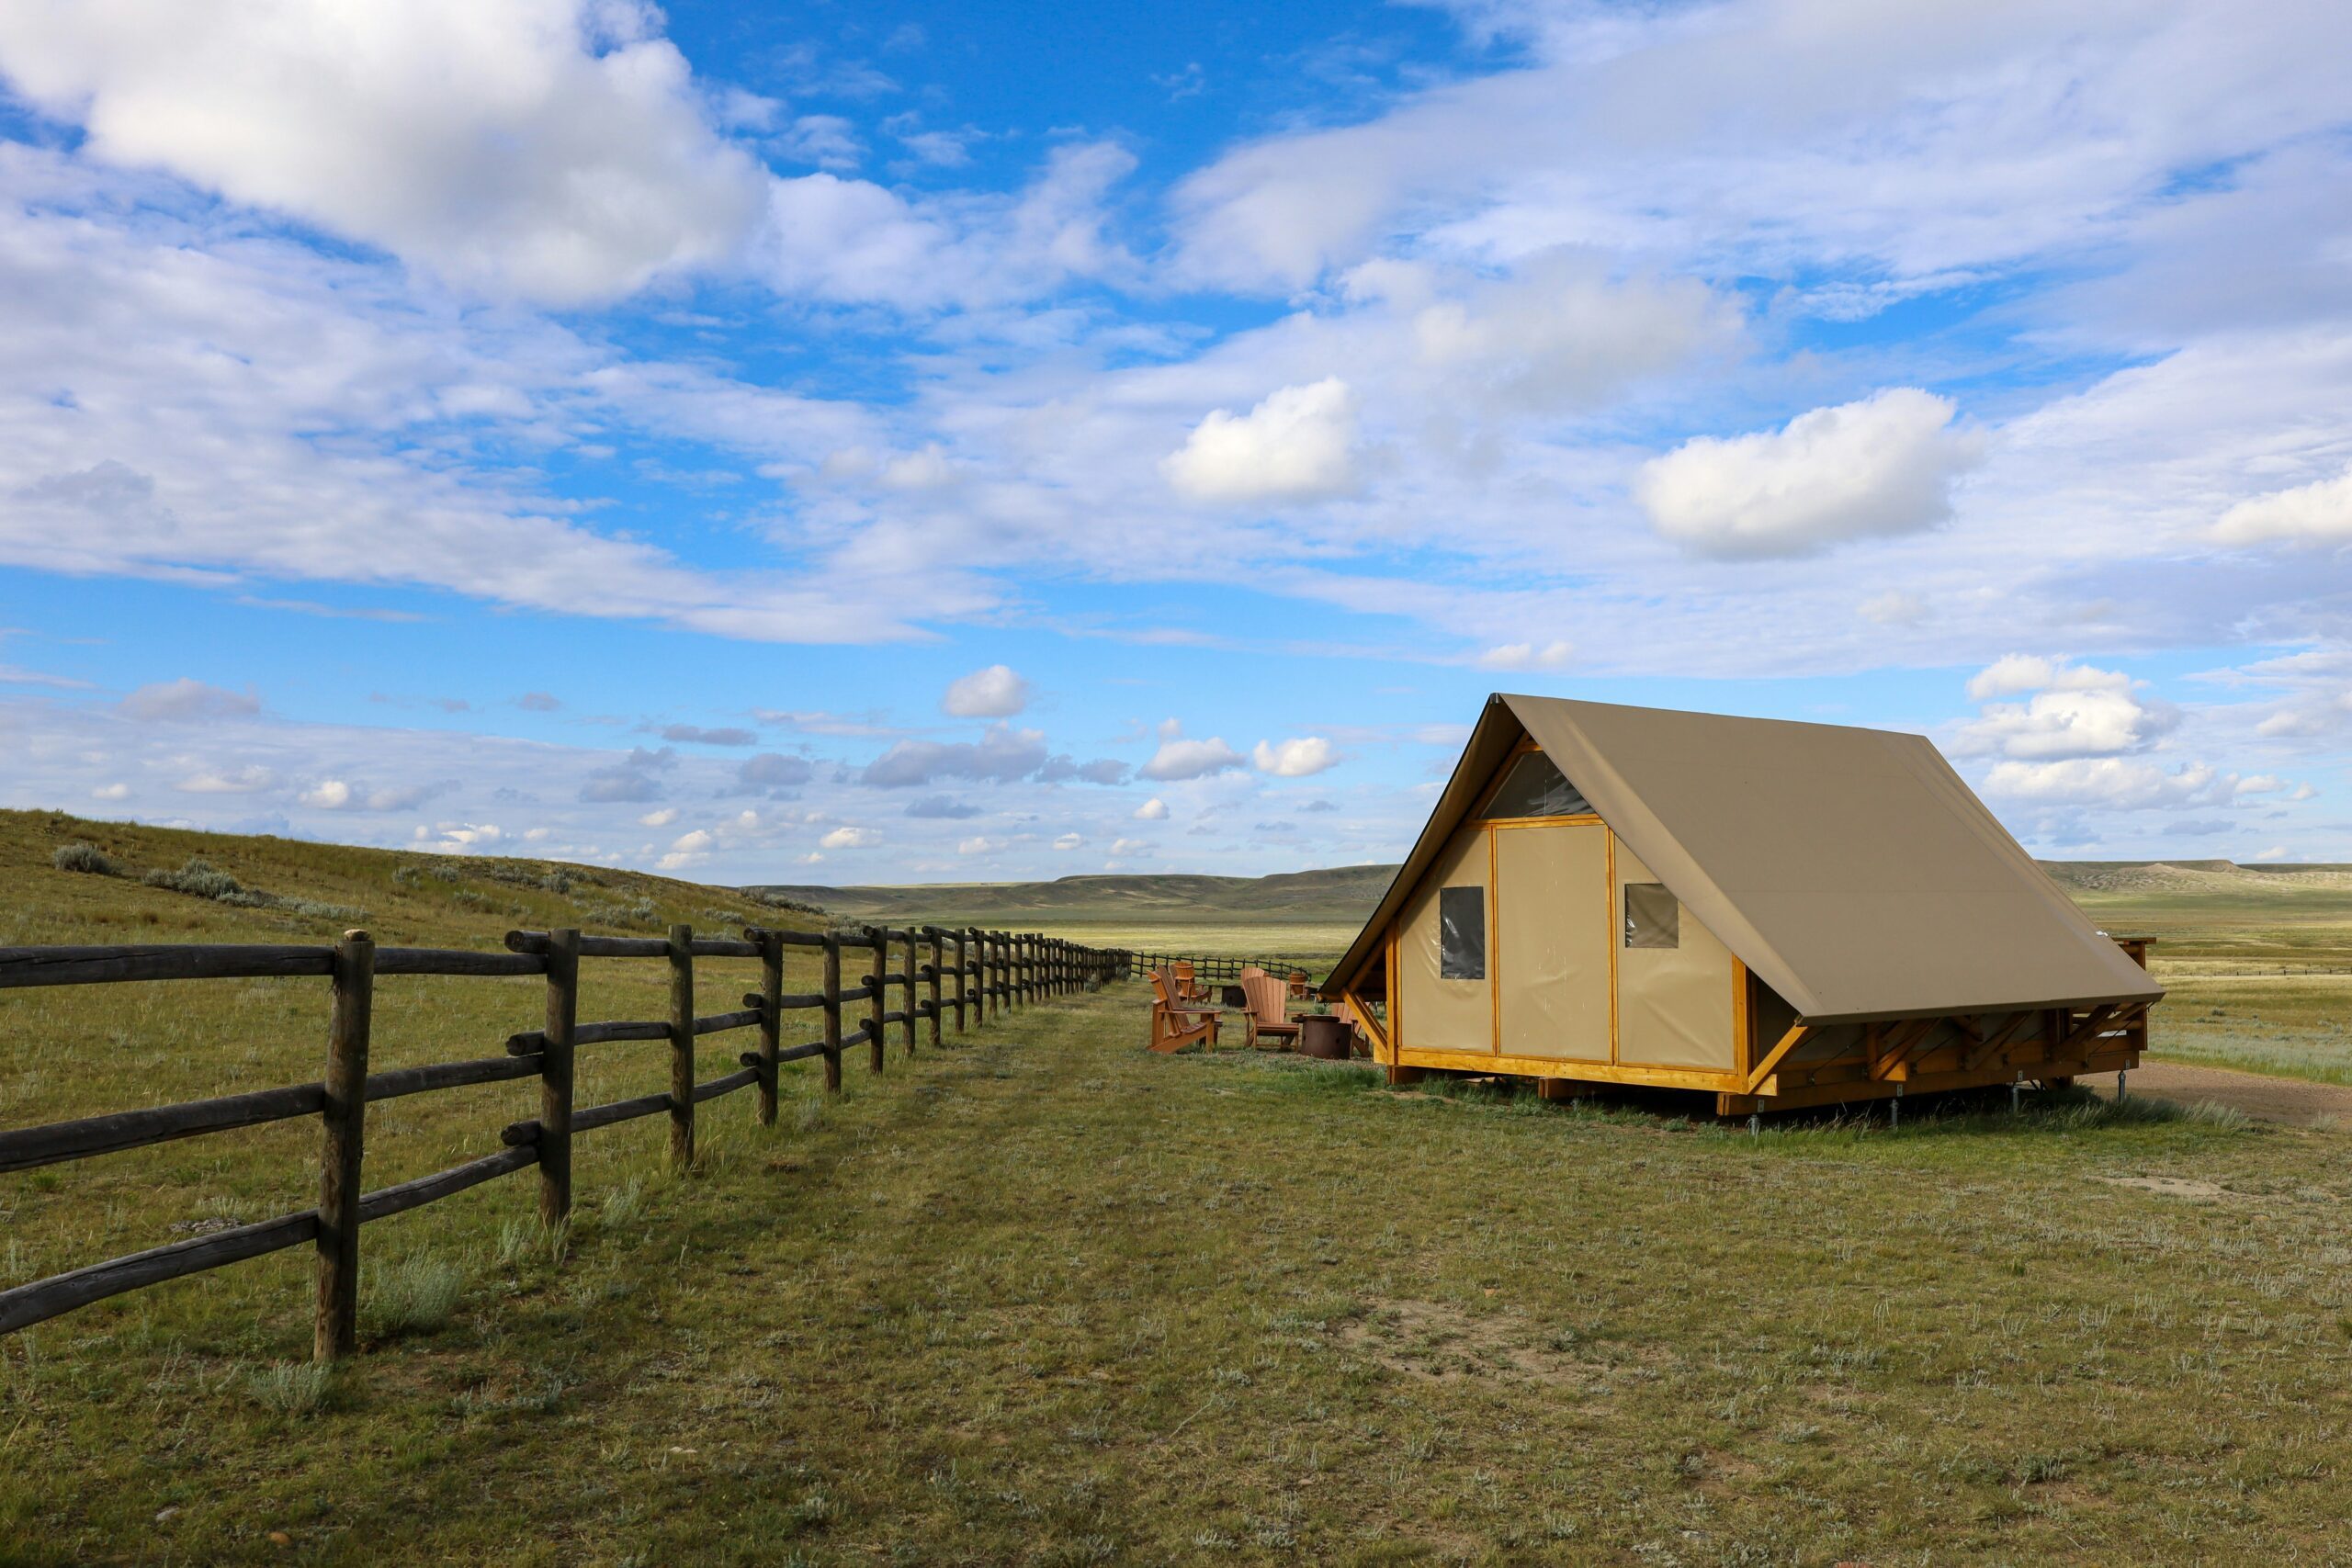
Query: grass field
[[1044, 1297]]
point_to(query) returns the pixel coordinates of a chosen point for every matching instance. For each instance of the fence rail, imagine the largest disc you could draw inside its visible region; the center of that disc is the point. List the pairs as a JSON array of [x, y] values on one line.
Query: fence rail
[[1140, 965], [991, 973]]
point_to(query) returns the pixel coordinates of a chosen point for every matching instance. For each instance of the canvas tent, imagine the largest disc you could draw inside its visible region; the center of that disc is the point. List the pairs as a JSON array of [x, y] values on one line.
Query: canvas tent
[[1782, 913]]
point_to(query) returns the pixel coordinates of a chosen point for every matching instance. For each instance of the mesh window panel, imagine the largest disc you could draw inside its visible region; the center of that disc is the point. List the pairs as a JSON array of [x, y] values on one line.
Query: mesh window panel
[[1536, 787], [1653, 916], [1462, 933]]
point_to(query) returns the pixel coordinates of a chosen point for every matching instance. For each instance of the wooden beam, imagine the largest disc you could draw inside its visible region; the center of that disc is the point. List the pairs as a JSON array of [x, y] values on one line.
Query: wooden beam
[[1797, 1036], [1907, 1037], [2100, 1018]]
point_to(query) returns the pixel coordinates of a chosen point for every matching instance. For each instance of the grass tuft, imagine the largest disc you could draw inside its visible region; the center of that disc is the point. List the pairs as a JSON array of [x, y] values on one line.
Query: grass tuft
[[293, 1388], [415, 1294]]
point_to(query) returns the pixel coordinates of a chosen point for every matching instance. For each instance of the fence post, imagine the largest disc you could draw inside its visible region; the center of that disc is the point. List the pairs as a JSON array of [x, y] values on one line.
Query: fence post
[[771, 1020], [877, 1032], [343, 1139], [832, 990], [962, 980], [908, 1023], [555, 1078], [681, 1046], [938, 956]]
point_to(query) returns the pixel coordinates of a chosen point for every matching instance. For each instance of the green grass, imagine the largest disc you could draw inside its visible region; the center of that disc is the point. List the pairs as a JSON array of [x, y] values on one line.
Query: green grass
[[1043, 1296]]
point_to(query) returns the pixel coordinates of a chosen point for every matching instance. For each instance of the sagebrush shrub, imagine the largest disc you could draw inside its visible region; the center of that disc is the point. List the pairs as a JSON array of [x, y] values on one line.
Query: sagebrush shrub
[[79, 856]]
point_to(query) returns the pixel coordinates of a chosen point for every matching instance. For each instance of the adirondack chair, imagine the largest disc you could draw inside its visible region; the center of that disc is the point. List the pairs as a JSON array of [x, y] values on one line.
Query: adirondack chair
[[1299, 985], [1269, 1004], [1184, 987], [1176, 1027]]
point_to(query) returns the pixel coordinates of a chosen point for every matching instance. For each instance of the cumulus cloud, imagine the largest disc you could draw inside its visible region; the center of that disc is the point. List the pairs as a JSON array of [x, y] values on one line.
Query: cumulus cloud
[[552, 148], [2074, 710], [1882, 466], [115, 791], [1296, 759], [1069, 841], [1298, 446], [189, 699], [1152, 810], [993, 692], [344, 794], [630, 780], [2115, 783], [771, 771], [2315, 513], [1002, 755], [941, 807], [849, 839], [1180, 759], [660, 819]]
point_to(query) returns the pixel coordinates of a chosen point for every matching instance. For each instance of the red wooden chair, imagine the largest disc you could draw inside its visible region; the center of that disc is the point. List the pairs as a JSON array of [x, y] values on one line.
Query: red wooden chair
[[1176, 1027]]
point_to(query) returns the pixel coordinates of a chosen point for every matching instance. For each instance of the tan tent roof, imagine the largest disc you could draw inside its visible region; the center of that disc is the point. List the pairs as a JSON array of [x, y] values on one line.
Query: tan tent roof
[[1852, 870]]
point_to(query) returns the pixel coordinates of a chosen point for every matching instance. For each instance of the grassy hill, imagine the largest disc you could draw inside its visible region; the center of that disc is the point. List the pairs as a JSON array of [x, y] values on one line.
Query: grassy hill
[[255, 889], [1341, 894]]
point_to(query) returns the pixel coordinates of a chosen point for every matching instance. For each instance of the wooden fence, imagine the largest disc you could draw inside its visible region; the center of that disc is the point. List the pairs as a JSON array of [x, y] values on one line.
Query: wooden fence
[[992, 972], [1140, 965]]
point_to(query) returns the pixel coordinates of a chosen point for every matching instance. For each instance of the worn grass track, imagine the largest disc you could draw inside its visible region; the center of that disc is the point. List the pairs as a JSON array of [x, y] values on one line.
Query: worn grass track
[[1044, 1297]]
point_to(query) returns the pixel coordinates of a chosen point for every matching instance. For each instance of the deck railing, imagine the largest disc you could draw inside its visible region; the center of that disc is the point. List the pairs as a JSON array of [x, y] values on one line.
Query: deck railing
[[990, 974]]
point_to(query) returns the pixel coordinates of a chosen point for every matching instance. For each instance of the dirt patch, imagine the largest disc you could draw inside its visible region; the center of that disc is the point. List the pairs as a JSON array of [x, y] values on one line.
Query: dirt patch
[[1440, 1343], [2174, 1187], [2289, 1100]]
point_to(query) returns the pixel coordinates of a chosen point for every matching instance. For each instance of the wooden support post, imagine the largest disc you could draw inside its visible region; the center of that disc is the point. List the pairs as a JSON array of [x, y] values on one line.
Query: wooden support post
[[832, 1007], [909, 987], [555, 1078], [771, 1020], [963, 980], [938, 957], [877, 1033], [681, 1046], [343, 1141]]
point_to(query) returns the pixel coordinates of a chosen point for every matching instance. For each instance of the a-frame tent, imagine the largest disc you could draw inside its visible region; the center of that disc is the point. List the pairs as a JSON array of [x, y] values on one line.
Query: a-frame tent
[[1783, 914]]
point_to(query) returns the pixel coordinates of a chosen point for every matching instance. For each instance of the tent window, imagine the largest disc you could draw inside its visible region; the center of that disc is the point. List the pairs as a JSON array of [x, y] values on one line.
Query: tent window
[[1653, 916], [1462, 933], [1536, 787]]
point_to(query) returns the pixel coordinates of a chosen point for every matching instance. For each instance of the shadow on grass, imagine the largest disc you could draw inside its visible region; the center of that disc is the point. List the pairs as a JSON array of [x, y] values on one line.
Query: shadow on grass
[[1960, 1113]]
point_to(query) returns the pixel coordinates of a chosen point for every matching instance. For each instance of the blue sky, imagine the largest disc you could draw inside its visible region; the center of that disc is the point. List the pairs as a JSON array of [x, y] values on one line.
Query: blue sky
[[910, 442]]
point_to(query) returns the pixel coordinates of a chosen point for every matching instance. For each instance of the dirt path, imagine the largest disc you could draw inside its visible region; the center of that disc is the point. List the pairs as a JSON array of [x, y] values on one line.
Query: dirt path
[[2291, 1101]]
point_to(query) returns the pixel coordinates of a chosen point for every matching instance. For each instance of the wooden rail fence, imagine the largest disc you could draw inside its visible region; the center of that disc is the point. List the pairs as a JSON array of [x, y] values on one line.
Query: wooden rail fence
[[990, 974], [1140, 965]]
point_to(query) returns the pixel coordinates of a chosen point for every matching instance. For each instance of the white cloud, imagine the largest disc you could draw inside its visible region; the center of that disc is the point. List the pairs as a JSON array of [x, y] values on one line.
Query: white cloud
[[1298, 758], [1882, 466], [555, 149], [688, 849], [1180, 759], [1298, 445], [660, 819], [1894, 608], [1130, 847], [976, 846], [2315, 513], [1152, 810], [1002, 755], [2116, 783], [849, 839], [188, 699], [249, 780], [1069, 841], [993, 692], [1554, 655], [327, 795], [116, 791], [2075, 710]]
